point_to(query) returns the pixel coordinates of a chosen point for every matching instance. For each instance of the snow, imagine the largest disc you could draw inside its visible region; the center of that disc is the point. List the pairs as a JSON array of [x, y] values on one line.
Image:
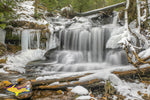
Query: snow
[[143, 18], [3, 71], [141, 37], [80, 90], [18, 62], [118, 36], [25, 10], [127, 4], [144, 53], [127, 89], [63, 75], [68, 8], [3, 95], [85, 98], [105, 73], [55, 83], [148, 90]]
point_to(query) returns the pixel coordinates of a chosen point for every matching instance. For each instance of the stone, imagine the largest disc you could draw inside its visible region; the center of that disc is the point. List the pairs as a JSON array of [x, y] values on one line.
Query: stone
[[22, 90], [80, 90]]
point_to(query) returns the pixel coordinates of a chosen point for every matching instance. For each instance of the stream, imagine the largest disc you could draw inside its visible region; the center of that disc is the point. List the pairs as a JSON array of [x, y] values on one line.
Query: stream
[[75, 46]]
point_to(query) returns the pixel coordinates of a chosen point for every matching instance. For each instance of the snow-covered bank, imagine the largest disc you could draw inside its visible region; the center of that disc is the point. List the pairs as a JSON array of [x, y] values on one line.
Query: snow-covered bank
[[18, 62], [26, 12]]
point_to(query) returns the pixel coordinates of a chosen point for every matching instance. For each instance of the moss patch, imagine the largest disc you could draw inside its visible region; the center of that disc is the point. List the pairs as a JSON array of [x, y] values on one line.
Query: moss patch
[[13, 48], [2, 49]]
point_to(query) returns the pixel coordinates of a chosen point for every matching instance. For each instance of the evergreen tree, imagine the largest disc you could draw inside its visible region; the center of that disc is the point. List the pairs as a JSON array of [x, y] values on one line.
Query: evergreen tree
[[81, 5], [6, 11], [50, 4]]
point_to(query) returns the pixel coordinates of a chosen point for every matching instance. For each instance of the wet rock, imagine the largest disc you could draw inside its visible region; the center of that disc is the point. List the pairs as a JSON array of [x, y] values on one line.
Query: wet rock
[[51, 54], [27, 94]]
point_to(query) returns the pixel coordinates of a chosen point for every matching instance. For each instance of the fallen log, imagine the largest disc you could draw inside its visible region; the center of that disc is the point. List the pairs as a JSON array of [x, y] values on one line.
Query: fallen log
[[74, 81], [133, 73], [64, 86], [101, 9], [65, 79]]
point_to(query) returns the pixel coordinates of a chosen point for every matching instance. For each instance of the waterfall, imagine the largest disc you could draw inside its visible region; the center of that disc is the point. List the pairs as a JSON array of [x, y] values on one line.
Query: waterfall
[[88, 41], [52, 41], [2, 36], [116, 57], [82, 45]]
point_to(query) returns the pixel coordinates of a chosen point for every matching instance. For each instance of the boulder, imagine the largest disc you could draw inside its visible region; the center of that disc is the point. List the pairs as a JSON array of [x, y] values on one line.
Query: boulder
[[21, 90], [80, 90]]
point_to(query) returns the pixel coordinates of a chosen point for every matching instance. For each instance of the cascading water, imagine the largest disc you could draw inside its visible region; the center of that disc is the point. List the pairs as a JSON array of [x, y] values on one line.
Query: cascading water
[[88, 41], [83, 47]]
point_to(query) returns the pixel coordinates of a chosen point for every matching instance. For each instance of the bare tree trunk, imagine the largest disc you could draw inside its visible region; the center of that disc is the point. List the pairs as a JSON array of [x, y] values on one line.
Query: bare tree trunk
[[147, 9]]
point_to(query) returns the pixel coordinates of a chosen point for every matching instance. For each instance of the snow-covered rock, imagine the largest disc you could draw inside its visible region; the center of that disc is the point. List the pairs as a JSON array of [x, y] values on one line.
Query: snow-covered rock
[[80, 90], [18, 62], [85, 98]]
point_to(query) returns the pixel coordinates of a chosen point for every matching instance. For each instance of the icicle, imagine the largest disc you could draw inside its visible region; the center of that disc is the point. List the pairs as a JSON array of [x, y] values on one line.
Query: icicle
[[25, 39], [115, 19], [38, 40]]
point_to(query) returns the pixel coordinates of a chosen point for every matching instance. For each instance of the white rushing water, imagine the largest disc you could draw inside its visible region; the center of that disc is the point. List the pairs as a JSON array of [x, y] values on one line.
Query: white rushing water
[[89, 42]]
